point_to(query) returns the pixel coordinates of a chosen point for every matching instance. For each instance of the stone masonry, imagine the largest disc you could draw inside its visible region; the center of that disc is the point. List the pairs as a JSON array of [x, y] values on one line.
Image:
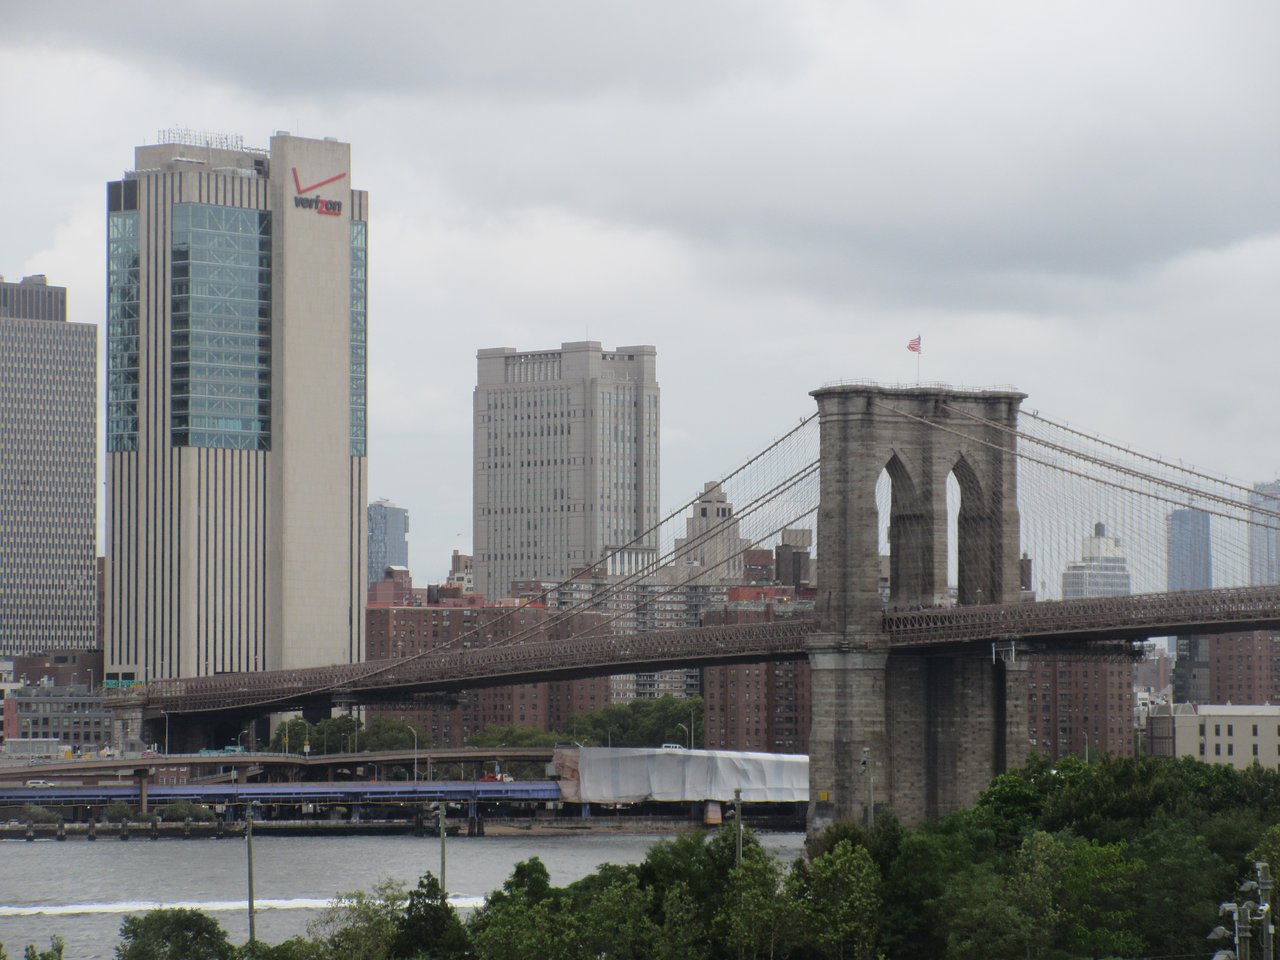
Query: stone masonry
[[918, 734]]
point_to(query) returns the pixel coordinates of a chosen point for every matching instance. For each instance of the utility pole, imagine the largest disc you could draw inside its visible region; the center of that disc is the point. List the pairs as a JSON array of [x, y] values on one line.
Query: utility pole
[[248, 836], [444, 896]]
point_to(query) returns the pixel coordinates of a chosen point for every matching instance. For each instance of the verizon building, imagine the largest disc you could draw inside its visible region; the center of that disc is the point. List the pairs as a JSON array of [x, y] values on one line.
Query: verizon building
[[236, 481]]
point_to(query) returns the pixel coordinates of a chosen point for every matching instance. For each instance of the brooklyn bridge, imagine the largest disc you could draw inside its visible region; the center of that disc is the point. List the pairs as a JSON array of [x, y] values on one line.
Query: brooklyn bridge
[[931, 504]]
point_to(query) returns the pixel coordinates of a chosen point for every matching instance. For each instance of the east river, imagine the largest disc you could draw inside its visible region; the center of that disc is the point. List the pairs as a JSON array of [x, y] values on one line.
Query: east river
[[82, 891]]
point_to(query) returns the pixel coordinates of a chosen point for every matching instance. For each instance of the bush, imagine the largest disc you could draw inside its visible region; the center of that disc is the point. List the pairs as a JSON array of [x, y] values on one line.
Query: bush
[[180, 810], [118, 812], [35, 813]]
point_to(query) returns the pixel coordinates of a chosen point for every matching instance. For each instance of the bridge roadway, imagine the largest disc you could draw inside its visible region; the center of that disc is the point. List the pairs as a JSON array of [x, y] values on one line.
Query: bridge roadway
[[94, 767], [239, 793], [1071, 621], [1135, 617]]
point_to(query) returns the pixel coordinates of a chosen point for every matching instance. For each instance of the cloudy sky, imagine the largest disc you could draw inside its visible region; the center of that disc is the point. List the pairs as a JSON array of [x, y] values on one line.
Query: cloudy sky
[[1078, 199]]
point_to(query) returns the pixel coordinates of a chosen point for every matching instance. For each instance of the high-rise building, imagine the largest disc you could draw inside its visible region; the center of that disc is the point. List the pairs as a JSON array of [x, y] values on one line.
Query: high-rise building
[[1264, 534], [1190, 567], [1101, 571], [388, 538], [1077, 704], [236, 473], [565, 462], [1189, 550], [48, 472]]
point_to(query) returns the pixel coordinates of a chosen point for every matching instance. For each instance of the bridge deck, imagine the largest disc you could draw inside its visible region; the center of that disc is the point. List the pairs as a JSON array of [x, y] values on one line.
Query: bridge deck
[[1076, 621]]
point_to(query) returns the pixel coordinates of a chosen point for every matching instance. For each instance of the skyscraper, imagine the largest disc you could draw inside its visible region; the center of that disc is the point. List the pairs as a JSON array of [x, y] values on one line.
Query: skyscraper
[[236, 469], [1264, 534], [1101, 571], [48, 473], [565, 462], [388, 538], [1190, 567]]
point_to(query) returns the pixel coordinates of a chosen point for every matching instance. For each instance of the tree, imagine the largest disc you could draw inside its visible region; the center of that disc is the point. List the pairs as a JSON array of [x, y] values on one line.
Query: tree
[[429, 928], [843, 903], [359, 925], [53, 953], [513, 735], [173, 934], [526, 918], [755, 919], [388, 733], [616, 925]]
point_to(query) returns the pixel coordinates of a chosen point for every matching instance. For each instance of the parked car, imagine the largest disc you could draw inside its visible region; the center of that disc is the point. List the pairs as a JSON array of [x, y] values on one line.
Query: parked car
[[41, 783]]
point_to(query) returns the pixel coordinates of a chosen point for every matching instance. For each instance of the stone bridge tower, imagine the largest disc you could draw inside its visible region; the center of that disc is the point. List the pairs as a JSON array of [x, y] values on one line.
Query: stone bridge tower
[[920, 734]]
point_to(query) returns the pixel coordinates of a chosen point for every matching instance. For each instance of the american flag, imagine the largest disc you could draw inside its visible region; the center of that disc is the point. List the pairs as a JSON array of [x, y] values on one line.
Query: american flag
[[914, 344]]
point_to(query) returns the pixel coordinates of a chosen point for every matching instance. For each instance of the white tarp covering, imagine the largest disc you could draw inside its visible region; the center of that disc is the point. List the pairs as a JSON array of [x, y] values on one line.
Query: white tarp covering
[[630, 776]]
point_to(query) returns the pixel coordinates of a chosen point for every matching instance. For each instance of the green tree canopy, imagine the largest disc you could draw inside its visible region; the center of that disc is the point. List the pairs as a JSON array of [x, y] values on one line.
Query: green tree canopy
[[173, 934]]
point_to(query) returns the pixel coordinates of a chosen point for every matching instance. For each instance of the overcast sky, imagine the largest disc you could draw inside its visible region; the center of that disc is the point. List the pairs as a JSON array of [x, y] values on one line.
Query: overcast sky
[[1081, 200]]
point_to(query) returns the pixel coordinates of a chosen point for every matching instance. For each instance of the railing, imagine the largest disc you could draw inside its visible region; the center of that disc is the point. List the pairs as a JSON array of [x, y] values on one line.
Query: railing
[[1142, 615]]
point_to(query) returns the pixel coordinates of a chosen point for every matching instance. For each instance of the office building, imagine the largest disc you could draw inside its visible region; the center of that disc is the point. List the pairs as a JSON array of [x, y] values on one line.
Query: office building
[[1190, 567], [565, 462], [1077, 704], [236, 474], [48, 472], [1238, 735], [388, 538]]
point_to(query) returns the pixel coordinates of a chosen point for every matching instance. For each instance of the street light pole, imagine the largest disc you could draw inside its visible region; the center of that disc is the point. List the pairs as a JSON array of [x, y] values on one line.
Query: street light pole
[[737, 816], [415, 747], [688, 731], [444, 896], [1264, 905]]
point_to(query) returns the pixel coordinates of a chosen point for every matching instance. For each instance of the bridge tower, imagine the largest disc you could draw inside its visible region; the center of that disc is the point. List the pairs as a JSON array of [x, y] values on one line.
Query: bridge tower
[[920, 734]]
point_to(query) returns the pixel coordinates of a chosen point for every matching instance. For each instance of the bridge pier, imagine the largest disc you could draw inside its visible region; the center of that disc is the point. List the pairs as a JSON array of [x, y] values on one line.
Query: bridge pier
[[917, 733], [933, 730]]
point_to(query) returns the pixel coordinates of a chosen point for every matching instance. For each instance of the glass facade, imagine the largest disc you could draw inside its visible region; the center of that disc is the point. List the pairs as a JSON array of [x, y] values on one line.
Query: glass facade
[[220, 298], [122, 331], [359, 277]]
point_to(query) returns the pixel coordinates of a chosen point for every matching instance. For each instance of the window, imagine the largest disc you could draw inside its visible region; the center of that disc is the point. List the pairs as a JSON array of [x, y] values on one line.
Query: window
[[220, 339]]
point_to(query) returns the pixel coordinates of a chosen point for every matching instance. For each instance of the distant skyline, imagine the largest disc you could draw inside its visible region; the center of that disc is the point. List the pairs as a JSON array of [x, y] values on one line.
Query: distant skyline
[[1077, 200]]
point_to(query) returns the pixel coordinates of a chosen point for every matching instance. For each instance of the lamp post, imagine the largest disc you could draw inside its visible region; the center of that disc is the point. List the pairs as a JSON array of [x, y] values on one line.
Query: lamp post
[[737, 816], [689, 732], [415, 747], [1264, 908]]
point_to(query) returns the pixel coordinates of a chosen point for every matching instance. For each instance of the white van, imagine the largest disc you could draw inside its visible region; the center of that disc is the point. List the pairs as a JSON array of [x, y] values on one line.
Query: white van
[[41, 783]]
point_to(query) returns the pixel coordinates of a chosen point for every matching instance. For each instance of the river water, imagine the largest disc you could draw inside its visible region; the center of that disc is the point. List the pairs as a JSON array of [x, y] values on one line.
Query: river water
[[82, 891]]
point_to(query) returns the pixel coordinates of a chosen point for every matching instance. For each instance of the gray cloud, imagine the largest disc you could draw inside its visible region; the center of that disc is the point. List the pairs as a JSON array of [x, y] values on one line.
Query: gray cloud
[[306, 49], [1079, 199]]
